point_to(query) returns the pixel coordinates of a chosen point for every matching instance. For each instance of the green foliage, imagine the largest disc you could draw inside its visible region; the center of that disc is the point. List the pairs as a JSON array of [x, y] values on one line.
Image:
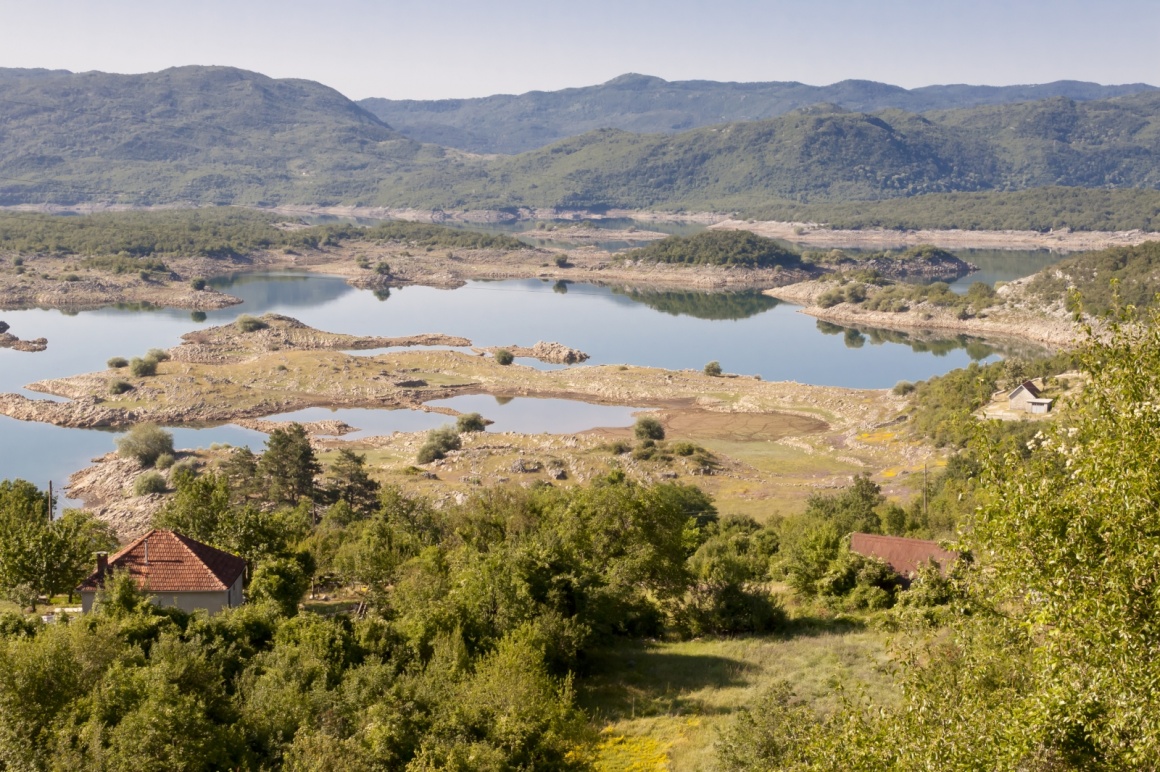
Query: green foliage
[[143, 367], [383, 269], [149, 482], [288, 466], [1048, 669], [721, 247], [713, 369], [282, 581], [145, 442], [504, 357], [350, 483], [942, 407], [439, 443], [197, 284], [1042, 209], [648, 428], [1104, 280], [116, 363], [43, 556], [470, 422], [119, 386], [247, 323]]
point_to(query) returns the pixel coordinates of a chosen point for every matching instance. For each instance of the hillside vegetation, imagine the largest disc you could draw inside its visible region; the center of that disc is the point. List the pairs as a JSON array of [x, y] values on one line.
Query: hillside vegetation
[[1104, 279], [1038, 209], [507, 123], [740, 248], [199, 134], [212, 232]]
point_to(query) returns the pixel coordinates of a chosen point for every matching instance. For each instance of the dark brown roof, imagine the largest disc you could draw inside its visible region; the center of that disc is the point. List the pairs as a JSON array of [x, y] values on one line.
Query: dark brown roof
[[903, 555], [1031, 388], [164, 561]]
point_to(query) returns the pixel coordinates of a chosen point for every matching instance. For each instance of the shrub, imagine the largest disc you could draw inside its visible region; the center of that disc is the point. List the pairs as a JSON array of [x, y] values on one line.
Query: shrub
[[504, 357], [562, 261], [619, 447], [727, 609], [164, 461], [142, 368], [383, 269], [685, 448], [157, 355], [902, 388], [648, 428], [247, 323], [18, 261], [150, 482], [470, 422], [116, 363], [713, 368], [197, 284], [439, 442], [145, 442], [71, 277], [119, 386]]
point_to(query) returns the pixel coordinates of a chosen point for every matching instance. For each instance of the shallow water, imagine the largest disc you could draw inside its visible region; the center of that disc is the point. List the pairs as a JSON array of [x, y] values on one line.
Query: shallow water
[[747, 333]]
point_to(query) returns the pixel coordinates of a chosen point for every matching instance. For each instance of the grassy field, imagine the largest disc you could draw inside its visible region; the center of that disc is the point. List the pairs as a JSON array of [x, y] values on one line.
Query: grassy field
[[662, 705]]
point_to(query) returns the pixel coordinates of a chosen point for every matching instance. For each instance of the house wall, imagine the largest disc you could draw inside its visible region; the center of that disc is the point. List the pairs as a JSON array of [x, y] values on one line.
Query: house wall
[[212, 602], [1021, 401], [235, 594]]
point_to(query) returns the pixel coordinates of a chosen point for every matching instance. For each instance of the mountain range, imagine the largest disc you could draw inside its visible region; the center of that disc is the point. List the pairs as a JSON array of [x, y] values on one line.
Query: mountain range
[[218, 135], [643, 104]]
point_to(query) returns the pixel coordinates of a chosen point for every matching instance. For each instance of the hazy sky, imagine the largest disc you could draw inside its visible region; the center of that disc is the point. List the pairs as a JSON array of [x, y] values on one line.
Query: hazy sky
[[461, 48]]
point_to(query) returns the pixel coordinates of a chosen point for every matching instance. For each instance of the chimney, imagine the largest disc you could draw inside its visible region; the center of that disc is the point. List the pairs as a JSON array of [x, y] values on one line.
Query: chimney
[[102, 564]]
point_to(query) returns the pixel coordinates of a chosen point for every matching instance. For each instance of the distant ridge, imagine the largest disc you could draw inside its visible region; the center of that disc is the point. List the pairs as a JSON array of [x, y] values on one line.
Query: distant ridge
[[216, 134], [646, 104]]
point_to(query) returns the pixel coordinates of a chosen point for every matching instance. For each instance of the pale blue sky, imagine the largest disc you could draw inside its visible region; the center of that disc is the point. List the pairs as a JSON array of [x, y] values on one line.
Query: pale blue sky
[[456, 48]]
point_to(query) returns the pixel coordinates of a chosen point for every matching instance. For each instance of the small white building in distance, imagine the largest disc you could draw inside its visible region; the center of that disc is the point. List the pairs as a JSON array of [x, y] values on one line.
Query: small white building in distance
[[1025, 397], [174, 570]]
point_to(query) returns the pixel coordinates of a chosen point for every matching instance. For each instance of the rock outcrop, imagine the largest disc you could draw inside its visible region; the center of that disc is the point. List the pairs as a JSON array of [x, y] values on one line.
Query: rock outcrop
[[552, 353], [274, 332]]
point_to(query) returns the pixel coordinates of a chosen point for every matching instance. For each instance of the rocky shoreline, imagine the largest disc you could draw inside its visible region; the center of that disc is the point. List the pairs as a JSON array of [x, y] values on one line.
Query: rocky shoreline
[[1053, 326], [8, 340]]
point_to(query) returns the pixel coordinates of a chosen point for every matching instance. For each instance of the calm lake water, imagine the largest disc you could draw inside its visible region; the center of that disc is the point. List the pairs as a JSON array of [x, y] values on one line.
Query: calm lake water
[[747, 333]]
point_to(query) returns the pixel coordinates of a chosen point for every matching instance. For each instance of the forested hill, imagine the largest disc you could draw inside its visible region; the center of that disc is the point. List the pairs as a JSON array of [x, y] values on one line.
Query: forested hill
[[642, 104], [205, 134], [821, 154]]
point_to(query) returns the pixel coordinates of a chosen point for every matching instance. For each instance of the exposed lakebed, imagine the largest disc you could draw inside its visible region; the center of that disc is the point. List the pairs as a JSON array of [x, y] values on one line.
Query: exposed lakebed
[[746, 332]]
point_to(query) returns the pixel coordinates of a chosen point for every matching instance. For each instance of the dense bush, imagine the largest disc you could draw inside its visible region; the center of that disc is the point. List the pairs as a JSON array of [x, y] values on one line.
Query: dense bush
[[119, 386], [439, 443], [116, 363], [648, 428], [713, 369], [149, 482], [247, 323], [142, 367], [504, 357], [470, 422], [145, 442]]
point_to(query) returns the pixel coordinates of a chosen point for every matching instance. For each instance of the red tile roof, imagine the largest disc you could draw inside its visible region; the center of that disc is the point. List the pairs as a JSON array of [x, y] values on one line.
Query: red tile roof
[[164, 561], [903, 555]]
